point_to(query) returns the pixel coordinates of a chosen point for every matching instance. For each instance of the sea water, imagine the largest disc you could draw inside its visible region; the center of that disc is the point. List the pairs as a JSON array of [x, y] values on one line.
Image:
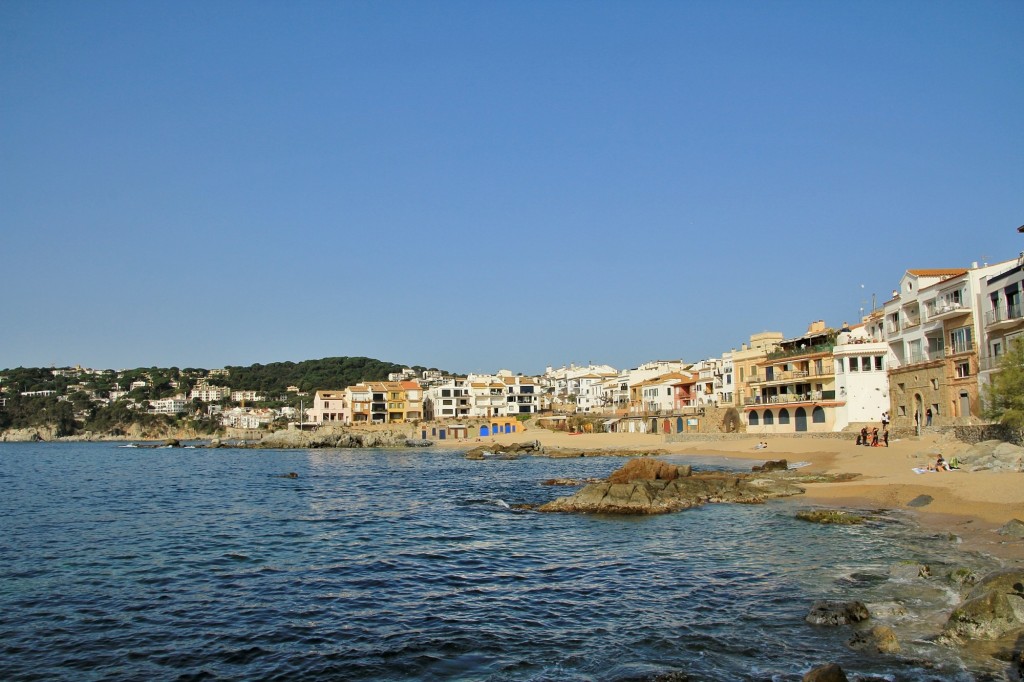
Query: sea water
[[178, 564]]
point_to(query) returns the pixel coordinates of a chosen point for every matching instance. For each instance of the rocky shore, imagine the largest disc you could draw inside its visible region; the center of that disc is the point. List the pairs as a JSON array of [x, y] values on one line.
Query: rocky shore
[[987, 620]]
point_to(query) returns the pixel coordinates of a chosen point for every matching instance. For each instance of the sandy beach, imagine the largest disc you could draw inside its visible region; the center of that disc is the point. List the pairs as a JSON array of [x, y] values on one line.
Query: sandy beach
[[970, 505]]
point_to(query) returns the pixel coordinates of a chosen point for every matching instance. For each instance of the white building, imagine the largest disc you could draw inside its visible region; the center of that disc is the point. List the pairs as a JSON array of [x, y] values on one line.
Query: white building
[[862, 382], [174, 405], [209, 394], [247, 396], [1003, 318]]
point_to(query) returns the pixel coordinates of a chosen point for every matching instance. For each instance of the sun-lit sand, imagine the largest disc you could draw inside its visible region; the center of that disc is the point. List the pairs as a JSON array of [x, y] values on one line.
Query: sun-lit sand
[[971, 505]]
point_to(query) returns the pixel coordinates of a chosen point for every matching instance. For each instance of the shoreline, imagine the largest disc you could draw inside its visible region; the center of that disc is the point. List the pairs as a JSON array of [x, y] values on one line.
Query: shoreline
[[969, 505]]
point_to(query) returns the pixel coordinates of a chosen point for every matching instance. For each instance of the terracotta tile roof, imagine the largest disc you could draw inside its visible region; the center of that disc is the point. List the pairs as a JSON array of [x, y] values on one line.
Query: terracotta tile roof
[[938, 272]]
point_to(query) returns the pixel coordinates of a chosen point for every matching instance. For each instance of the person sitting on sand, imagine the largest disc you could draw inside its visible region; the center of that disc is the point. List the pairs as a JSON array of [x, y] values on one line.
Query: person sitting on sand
[[940, 464]]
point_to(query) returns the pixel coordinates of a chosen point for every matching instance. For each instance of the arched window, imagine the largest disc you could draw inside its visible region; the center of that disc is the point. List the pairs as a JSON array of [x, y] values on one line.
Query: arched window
[[818, 415], [769, 418], [752, 419], [783, 416]]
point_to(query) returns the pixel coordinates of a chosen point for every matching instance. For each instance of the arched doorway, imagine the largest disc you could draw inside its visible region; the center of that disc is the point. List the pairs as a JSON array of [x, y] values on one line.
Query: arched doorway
[[666, 426], [784, 416], [679, 424], [818, 415], [801, 419], [769, 418], [484, 431]]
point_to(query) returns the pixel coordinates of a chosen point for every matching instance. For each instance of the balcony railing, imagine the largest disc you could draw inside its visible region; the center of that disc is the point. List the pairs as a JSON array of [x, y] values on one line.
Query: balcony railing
[[917, 357], [990, 363], [786, 398], [1010, 313], [809, 350], [826, 370]]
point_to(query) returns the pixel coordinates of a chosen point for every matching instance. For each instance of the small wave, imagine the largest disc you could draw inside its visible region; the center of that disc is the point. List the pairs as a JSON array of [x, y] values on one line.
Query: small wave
[[497, 502]]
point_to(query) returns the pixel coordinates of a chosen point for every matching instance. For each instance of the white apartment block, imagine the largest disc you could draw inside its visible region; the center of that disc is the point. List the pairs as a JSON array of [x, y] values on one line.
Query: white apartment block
[[209, 394], [449, 400], [168, 405], [247, 396]]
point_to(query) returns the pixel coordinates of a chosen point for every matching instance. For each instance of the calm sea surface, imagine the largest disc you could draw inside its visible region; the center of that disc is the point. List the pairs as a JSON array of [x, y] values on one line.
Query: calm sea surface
[[133, 564]]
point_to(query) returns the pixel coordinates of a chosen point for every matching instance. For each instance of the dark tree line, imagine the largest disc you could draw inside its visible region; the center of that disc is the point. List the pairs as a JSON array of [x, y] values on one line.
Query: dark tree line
[[311, 375]]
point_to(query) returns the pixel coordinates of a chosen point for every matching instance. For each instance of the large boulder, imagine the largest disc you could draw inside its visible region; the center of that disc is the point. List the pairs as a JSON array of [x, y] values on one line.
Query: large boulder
[[994, 607], [648, 469], [771, 465], [880, 640]]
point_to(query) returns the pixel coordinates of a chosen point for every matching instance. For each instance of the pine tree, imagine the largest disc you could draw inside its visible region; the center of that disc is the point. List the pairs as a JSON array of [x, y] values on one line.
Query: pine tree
[[1004, 399]]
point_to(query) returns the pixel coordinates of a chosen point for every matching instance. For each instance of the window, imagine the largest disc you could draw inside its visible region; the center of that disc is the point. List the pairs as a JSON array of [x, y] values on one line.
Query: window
[[818, 415], [901, 410], [935, 384], [752, 419], [865, 364], [878, 363], [960, 340], [854, 364], [769, 418], [963, 369], [783, 416], [839, 366]]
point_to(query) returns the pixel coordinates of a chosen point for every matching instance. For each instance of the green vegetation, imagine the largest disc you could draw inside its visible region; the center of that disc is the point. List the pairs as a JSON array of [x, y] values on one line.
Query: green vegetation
[[311, 375], [110, 402], [1004, 395]]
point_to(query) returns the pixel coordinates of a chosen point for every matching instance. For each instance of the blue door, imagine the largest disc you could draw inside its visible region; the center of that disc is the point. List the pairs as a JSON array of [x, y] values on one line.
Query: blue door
[[801, 419], [484, 431]]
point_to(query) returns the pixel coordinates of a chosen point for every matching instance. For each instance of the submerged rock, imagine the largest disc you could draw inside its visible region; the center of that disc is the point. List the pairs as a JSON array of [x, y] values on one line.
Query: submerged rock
[[828, 612], [829, 516], [771, 465], [879, 639], [830, 672], [909, 570]]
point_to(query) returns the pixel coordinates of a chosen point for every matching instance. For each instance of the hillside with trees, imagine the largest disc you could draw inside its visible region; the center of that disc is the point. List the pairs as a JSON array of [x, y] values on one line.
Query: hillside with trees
[[71, 401]]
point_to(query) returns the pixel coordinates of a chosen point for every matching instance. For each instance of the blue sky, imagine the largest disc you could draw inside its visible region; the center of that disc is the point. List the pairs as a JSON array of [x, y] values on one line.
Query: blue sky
[[485, 185]]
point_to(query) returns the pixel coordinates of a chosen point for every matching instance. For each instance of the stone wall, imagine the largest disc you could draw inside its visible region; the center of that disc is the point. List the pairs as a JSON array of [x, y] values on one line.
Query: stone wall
[[983, 432]]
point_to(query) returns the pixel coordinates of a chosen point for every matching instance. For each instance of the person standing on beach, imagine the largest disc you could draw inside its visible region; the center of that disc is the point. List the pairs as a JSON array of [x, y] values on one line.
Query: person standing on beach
[[885, 437], [928, 417], [885, 419]]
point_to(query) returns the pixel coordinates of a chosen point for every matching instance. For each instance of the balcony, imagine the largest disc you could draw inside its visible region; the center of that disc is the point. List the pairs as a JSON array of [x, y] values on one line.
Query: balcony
[[786, 398], [793, 352], [1003, 318], [990, 363], [944, 311], [917, 357]]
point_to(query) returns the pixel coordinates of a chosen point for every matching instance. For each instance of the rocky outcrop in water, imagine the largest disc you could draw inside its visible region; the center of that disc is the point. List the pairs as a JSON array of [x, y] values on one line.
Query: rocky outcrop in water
[[771, 465], [993, 609], [836, 516], [499, 451], [292, 439], [879, 639], [655, 487]]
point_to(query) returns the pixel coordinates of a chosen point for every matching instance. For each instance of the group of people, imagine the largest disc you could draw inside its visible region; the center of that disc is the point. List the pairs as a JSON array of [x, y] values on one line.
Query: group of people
[[872, 438], [761, 446]]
